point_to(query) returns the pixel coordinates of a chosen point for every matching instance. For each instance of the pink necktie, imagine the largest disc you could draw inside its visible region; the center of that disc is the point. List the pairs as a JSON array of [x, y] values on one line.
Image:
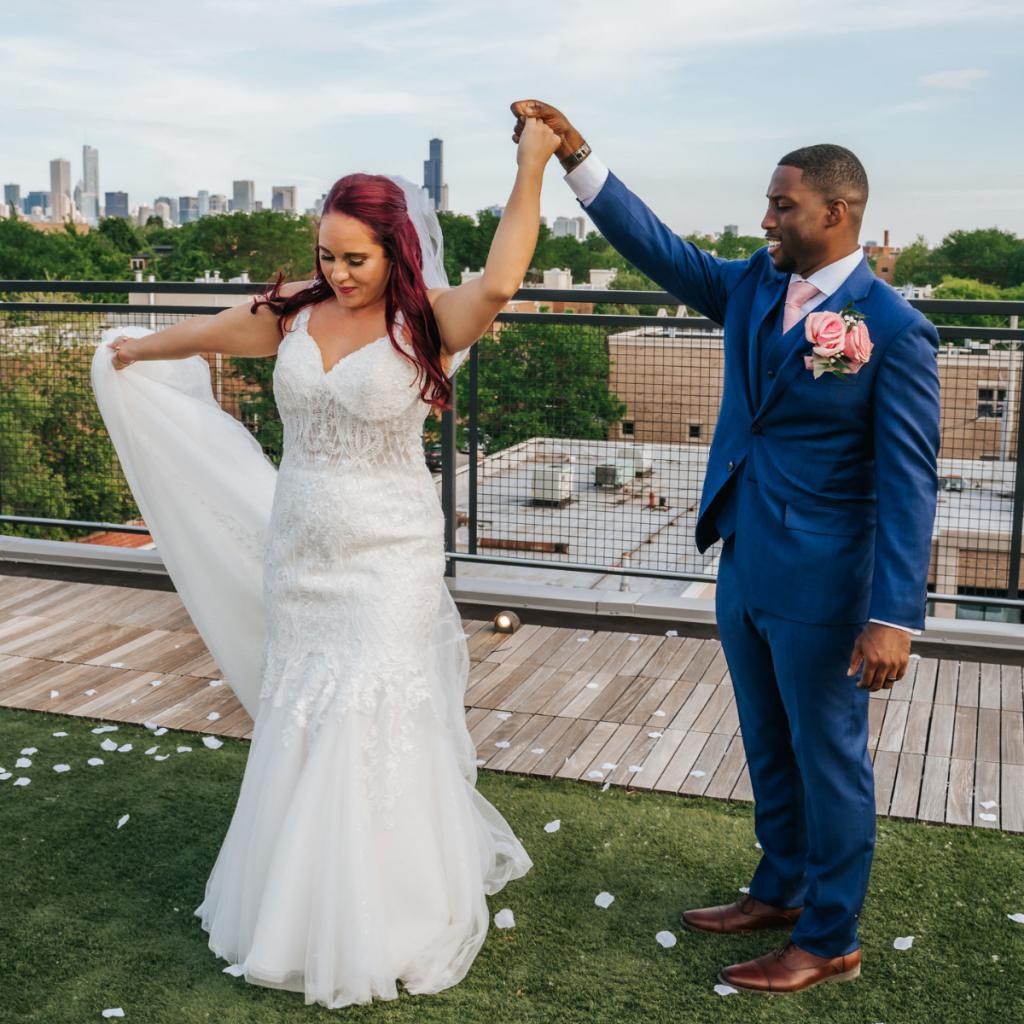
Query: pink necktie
[[797, 294]]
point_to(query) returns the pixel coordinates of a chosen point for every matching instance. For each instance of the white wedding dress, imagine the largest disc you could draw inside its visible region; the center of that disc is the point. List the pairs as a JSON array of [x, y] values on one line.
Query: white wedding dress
[[360, 851]]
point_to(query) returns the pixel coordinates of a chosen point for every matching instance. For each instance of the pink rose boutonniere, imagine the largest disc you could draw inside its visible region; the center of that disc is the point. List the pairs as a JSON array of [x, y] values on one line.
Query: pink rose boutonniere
[[839, 342]]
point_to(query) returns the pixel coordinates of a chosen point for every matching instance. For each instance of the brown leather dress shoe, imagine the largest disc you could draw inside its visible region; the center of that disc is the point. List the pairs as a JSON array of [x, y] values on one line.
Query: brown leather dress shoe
[[744, 916], [790, 969]]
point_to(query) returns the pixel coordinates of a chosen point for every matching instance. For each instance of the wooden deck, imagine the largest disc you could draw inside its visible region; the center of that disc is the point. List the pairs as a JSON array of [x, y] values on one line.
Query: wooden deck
[[648, 712]]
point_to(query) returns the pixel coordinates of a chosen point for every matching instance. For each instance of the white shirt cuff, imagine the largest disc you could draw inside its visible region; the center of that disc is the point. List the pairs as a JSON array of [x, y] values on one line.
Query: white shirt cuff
[[906, 629], [587, 179]]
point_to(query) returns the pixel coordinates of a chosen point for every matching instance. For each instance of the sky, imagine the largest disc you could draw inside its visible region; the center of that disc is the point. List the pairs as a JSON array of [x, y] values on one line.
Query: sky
[[691, 103]]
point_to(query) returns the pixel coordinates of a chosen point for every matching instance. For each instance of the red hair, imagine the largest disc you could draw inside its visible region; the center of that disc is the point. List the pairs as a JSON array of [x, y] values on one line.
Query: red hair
[[379, 203]]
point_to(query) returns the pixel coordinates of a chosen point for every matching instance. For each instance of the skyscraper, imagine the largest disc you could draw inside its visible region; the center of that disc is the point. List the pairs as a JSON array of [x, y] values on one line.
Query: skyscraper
[[12, 196], [285, 197], [204, 203], [117, 204], [188, 209], [60, 177], [433, 176], [172, 206], [40, 200], [218, 203], [89, 207], [244, 196]]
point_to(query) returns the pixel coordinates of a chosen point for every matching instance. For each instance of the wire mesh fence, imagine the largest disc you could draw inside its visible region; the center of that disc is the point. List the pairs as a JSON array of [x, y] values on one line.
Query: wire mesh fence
[[591, 435]]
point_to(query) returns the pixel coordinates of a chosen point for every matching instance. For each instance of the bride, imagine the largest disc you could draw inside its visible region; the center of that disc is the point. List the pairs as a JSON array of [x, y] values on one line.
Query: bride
[[360, 852]]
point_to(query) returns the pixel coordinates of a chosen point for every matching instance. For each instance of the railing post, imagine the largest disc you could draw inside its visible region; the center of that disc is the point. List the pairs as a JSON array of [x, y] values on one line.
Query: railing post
[[1013, 583], [474, 388], [448, 455]]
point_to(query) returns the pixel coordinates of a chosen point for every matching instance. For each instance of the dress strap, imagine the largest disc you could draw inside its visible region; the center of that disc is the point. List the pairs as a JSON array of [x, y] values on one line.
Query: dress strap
[[301, 319]]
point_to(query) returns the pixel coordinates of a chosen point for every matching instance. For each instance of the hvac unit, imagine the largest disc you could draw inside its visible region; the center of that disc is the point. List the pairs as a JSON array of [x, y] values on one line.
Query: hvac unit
[[636, 460], [609, 474], [552, 485]]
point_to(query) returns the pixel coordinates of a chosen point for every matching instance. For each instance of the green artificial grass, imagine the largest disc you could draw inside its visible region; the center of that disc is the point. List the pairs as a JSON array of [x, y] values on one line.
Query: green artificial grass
[[94, 916]]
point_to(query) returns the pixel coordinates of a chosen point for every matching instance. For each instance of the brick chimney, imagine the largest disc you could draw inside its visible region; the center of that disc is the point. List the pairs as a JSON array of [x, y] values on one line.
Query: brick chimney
[[886, 242]]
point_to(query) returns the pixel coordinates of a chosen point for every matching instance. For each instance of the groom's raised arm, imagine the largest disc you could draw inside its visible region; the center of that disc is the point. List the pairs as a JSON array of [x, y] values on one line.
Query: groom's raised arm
[[690, 274]]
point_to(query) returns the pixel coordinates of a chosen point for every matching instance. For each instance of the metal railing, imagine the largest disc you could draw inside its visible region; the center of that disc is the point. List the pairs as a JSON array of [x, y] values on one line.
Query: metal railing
[[635, 397]]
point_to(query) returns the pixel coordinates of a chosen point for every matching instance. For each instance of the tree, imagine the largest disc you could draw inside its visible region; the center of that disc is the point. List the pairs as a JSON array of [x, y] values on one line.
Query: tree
[[541, 381], [121, 235], [956, 288], [990, 256], [914, 265]]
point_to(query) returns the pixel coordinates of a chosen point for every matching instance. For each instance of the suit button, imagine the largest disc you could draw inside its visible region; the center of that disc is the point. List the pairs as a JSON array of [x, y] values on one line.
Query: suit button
[[755, 428], [731, 466], [771, 373]]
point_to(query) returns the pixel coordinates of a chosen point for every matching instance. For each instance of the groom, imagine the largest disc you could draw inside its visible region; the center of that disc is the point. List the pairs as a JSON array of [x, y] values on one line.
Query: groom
[[823, 490]]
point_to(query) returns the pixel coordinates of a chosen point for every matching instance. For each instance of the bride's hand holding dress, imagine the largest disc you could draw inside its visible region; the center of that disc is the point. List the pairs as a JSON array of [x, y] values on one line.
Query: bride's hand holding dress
[[360, 852]]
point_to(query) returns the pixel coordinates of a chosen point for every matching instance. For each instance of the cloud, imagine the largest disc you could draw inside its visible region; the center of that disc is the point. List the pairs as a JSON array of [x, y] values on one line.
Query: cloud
[[954, 79]]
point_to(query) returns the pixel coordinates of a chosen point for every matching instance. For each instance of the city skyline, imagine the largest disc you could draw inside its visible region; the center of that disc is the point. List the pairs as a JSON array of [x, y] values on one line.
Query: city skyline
[[690, 104]]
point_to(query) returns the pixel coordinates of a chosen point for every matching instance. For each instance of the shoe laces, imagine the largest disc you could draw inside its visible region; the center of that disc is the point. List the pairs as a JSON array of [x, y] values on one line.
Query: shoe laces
[[782, 951]]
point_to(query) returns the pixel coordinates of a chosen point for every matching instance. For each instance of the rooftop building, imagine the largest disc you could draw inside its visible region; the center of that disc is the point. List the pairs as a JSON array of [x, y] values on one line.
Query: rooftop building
[[89, 204], [60, 177], [285, 198], [12, 196], [117, 204], [571, 227]]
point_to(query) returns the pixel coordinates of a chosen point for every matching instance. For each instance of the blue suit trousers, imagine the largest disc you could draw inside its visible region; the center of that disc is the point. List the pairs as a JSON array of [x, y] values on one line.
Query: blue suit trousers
[[805, 731]]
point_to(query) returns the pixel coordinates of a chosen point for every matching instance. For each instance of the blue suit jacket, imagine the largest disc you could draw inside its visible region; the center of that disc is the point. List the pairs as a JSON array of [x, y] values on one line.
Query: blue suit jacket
[[837, 500]]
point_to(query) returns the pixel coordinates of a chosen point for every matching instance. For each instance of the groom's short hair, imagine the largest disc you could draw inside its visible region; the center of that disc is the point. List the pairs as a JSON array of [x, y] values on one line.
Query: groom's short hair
[[832, 171]]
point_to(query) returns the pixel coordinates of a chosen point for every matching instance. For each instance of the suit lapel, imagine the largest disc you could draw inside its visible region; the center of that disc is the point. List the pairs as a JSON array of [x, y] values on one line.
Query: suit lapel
[[792, 346], [765, 299]]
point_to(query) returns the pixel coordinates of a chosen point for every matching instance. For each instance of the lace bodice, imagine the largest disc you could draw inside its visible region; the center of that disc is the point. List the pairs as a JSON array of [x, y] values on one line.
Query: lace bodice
[[364, 412]]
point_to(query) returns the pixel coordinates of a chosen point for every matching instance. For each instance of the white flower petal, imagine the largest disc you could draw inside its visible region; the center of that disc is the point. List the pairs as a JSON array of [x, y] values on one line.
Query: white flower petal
[[636, 767], [480, 762], [217, 682], [123, 820], [726, 990], [124, 748], [23, 781], [503, 715], [595, 775], [60, 734], [213, 716], [161, 757], [604, 899], [504, 919], [152, 726], [4, 776], [698, 774], [744, 888], [90, 693], [659, 714], [117, 664], [633, 638], [591, 686], [95, 761], [1016, 918], [159, 732], [115, 1012], [671, 632], [537, 750], [605, 787], [609, 767], [29, 751], [988, 817], [184, 750], [155, 682], [62, 767], [54, 693], [667, 939], [654, 735], [235, 970], [23, 762], [108, 745], [503, 744], [758, 846], [553, 826], [152, 750], [903, 942], [212, 742], [918, 656], [582, 639], [987, 804]]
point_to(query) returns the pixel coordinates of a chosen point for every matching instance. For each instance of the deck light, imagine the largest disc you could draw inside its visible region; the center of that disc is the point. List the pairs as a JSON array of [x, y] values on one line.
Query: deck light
[[506, 622]]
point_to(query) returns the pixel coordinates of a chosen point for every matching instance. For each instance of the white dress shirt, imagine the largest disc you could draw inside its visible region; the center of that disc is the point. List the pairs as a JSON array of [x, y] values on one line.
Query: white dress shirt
[[589, 177]]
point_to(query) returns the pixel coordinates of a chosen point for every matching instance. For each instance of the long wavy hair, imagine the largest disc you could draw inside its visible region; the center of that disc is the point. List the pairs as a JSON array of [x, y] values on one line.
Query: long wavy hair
[[379, 203]]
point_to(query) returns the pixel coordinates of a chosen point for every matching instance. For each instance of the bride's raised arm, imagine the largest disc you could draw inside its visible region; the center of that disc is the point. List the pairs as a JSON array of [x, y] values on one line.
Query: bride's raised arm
[[235, 332], [465, 312]]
